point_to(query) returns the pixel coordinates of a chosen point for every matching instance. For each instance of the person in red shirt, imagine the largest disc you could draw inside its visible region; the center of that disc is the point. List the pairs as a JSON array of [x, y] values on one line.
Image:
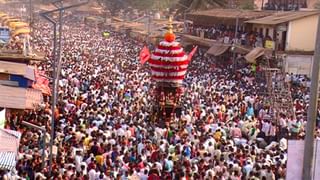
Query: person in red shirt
[[153, 174]]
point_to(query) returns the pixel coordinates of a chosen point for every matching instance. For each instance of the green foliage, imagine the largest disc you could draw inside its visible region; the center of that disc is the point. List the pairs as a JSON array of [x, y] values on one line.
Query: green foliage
[[141, 4], [248, 5], [195, 5], [115, 5]]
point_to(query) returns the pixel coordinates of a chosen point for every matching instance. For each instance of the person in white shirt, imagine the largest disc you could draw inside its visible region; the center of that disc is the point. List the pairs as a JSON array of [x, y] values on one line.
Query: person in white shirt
[[140, 148], [144, 175], [266, 127], [92, 174], [78, 160], [283, 126]]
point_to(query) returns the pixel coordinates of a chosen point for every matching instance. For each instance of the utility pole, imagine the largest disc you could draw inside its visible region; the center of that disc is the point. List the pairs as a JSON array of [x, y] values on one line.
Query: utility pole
[[308, 158], [149, 28], [185, 21], [30, 11], [184, 16], [234, 53], [30, 23]]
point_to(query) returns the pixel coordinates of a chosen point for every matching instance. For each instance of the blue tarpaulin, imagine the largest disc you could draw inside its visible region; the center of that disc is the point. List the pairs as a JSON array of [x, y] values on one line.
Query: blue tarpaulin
[[23, 82]]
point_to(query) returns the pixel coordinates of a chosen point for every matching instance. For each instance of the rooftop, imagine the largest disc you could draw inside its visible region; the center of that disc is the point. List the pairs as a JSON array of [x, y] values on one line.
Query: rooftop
[[18, 56], [231, 13], [19, 98], [282, 17]]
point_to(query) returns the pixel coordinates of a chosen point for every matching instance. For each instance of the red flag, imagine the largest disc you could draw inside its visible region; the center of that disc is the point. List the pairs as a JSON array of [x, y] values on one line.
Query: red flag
[[192, 53], [144, 55]]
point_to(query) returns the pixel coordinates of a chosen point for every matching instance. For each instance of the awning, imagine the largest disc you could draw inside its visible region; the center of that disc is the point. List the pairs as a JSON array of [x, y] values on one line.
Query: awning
[[18, 25], [17, 69], [195, 40], [240, 49], [21, 31], [7, 160], [217, 49], [7, 21], [254, 54], [9, 141], [19, 98]]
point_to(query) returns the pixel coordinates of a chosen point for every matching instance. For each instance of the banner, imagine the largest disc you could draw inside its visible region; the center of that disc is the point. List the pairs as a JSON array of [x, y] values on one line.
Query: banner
[[2, 118]]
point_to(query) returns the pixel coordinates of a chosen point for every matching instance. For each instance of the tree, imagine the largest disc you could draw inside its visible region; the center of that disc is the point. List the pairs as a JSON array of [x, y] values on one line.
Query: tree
[[115, 5], [247, 4], [195, 5]]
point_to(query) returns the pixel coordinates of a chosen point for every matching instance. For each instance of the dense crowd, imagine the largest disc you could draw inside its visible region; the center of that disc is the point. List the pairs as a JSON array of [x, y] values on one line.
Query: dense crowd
[[226, 34], [103, 128]]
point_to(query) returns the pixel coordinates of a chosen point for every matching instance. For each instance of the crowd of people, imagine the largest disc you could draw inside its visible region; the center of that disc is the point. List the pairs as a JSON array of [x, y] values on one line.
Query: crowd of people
[[102, 119], [226, 34], [289, 6]]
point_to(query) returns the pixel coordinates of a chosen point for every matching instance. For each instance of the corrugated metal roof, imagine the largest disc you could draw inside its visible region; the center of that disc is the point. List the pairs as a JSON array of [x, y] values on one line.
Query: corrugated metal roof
[[19, 98], [8, 160], [282, 17], [17, 69], [232, 13]]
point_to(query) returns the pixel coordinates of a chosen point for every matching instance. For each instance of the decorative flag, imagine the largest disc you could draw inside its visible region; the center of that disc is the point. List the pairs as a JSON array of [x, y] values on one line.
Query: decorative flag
[[192, 53], [2, 118], [144, 55]]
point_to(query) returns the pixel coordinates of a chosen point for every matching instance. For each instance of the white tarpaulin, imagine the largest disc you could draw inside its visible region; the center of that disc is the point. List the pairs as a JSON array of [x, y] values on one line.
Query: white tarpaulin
[[9, 141], [295, 160], [2, 118]]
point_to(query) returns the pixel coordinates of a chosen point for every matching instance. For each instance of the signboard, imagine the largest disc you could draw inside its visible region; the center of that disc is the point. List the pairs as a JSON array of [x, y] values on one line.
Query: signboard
[[282, 28], [4, 35], [269, 44]]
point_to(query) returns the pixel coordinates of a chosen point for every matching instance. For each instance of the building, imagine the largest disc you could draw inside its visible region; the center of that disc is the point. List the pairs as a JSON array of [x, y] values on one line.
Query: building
[[225, 16], [280, 5], [17, 78], [283, 5], [293, 34]]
